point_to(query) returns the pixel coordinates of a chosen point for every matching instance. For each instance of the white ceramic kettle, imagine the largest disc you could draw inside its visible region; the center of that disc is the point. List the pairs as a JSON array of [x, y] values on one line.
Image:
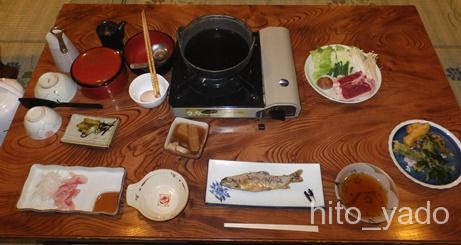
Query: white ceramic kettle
[[10, 91]]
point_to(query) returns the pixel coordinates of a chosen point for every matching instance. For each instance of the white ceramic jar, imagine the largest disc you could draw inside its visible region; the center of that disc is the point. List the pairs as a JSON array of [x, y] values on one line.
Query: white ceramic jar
[[10, 92]]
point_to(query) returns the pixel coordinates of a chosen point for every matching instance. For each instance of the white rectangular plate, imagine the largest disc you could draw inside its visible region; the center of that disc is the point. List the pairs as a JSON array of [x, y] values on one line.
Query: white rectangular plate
[[73, 136], [292, 197], [100, 180]]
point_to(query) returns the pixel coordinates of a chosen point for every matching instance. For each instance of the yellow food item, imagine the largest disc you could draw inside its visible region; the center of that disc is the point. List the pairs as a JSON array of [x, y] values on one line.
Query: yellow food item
[[194, 138], [181, 134], [91, 121], [187, 136], [88, 126], [415, 131]]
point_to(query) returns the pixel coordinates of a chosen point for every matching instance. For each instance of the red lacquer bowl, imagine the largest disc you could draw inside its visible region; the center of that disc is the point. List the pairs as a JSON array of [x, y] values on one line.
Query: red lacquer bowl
[[100, 72], [162, 50]]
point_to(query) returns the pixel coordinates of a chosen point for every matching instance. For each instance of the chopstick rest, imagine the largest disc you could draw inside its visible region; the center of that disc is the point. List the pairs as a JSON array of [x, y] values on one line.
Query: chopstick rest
[[311, 193], [307, 196]]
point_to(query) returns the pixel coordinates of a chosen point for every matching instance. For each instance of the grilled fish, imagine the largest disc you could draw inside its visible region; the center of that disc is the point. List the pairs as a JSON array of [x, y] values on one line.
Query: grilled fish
[[261, 181]]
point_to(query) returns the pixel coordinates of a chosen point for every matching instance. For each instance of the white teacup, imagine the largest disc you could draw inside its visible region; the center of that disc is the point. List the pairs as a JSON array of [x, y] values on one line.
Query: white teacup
[[42, 122], [142, 84], [55, 86]]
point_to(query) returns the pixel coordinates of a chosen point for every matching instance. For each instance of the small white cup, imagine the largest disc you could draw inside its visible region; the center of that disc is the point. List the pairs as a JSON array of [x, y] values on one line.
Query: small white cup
[[42, 122], [55, 86], [143, 83]]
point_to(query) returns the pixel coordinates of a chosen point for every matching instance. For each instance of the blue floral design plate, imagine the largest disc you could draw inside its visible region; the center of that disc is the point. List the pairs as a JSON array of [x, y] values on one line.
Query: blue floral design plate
[[292, 197], [452, 143]]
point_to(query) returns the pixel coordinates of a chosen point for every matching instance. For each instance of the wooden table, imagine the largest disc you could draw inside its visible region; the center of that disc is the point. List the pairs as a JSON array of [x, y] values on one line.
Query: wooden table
[[333, 134]]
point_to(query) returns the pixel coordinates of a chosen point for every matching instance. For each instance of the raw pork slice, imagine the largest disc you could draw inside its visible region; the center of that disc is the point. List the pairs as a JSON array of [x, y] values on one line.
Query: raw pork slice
[[63, 197], [355, 84]]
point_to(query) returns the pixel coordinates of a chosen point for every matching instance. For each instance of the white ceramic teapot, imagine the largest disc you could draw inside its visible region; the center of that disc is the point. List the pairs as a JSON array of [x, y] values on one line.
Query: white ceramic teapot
[[10, 92]]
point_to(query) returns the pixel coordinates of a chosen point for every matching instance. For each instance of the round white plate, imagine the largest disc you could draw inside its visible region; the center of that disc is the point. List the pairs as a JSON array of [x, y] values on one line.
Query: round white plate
[[330, 93], [452, 143]]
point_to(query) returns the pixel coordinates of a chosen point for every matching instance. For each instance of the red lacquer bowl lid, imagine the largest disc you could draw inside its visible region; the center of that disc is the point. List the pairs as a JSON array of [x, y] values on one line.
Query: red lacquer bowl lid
[[96, 67]]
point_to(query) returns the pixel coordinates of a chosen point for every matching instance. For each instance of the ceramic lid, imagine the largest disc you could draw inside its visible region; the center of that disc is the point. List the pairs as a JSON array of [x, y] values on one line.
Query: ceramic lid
[[96, 67], [12, 86]]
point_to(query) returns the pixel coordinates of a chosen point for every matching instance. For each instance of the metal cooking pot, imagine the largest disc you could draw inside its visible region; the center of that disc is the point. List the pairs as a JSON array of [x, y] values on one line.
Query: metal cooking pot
[[215, 23]]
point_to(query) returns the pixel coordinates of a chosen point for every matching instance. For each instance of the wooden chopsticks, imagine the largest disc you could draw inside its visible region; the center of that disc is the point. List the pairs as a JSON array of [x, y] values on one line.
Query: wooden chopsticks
[[305, 228], [150, 58]]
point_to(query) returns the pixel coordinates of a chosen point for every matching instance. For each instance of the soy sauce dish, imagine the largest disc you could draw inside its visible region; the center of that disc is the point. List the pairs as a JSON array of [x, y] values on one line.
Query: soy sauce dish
[[368, 189]]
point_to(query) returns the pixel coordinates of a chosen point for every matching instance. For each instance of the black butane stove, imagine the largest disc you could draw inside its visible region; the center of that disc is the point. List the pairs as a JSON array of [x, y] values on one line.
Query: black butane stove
[[265, 87]]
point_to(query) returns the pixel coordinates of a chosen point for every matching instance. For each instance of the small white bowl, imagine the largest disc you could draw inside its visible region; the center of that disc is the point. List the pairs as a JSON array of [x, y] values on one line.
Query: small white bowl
[[42, 122], [161, 195], [55, 86], [382, 177], [143, 83]]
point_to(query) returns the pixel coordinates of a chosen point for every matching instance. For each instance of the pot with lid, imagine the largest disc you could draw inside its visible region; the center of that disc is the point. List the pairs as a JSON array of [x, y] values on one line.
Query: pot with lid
[[10, 91], [216, 45]]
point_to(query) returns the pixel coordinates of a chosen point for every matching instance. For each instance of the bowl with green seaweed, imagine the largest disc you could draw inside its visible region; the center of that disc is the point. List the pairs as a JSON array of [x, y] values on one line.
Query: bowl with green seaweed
[[427, 153]]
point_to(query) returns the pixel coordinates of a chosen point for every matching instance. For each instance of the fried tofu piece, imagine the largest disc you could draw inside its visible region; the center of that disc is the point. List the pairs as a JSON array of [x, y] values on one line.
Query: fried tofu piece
[[181, 134], [194, 138]]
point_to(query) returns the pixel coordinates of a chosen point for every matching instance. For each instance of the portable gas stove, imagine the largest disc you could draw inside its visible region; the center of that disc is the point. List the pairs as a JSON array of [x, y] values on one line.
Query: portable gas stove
[[265, 88]]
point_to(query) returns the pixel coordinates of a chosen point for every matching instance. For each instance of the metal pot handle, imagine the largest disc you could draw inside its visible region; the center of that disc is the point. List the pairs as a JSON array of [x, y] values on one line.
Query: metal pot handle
[[58, 33], [179, 34]]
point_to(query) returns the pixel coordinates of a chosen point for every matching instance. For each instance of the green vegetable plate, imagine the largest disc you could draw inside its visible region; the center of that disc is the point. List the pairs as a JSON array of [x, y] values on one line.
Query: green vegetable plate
[[90, 130], [433, 161], [352, 75]]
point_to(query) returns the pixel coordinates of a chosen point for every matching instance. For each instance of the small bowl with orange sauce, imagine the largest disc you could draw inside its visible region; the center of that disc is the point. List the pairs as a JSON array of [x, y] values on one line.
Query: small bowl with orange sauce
[[367, 192]]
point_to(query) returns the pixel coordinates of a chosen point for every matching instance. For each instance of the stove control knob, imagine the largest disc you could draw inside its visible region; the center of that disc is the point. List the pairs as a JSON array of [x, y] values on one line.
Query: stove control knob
[[278, 114], [284, 82]]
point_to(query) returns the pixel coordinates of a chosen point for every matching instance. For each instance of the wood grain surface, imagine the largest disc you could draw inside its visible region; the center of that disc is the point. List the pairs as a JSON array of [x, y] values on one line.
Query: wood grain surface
[[333, 134]]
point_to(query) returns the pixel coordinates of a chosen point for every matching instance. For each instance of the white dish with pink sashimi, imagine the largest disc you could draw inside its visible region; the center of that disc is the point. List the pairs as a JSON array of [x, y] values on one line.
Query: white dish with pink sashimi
[[72, 189], [344, 74]]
